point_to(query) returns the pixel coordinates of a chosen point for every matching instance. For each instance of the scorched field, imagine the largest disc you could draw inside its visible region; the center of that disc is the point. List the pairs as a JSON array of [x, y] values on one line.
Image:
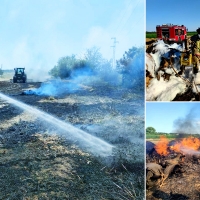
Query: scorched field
[[40, 160]]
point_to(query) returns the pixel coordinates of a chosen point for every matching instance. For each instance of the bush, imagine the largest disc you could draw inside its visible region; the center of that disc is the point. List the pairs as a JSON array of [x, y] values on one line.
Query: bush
[[67, 66], [1, 72], [131, 66]]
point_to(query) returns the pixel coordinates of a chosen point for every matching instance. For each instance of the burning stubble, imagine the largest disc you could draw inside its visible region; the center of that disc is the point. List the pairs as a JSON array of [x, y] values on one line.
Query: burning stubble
[[188, 146], [90, 143], [161, 146]]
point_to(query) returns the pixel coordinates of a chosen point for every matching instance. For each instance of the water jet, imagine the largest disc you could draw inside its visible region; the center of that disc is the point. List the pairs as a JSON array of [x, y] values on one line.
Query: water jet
[[84, 140]]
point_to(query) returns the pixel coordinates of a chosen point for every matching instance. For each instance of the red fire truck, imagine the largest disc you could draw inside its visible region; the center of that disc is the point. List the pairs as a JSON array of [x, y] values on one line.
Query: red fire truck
[[171, 33]]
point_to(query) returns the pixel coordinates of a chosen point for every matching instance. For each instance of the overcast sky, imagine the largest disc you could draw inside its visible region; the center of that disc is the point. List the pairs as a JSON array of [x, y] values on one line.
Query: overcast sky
[[36, 33], [182, 12]]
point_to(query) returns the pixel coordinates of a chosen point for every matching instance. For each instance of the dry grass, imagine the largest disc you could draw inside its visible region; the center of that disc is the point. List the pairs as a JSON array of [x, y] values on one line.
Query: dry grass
[[48, 168], [36, 164]]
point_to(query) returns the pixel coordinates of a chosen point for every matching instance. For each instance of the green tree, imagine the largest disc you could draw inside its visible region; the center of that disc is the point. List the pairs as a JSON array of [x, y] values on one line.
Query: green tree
[[150, 130], [1, 72], [93, 57], [131, 66], [69, 65], [64, 67]]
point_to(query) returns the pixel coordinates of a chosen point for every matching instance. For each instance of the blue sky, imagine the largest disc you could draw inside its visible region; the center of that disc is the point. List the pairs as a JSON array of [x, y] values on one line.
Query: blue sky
[[36, 33], [181, 12], [162, 116]]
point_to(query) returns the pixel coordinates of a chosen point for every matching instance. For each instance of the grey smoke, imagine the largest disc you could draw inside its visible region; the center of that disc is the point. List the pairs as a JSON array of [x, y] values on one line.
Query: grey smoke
[[188, 124], [102, 75], [82, 79], [85, 140]]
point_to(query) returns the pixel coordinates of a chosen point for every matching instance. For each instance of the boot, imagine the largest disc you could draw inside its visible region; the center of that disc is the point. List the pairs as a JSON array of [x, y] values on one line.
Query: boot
[[182, 70], [195, 69]]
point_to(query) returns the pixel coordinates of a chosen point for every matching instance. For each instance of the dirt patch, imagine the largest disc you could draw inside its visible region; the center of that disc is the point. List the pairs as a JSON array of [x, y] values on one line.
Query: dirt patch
[[182, 183], [37, 163]]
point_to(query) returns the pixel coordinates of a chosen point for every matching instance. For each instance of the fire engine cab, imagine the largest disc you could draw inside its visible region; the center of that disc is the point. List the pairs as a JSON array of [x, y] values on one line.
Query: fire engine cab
[[171, 33]]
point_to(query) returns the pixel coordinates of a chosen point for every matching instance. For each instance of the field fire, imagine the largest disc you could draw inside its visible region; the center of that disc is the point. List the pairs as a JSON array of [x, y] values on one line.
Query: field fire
[[76, 138], [185, 145], [173, 168]]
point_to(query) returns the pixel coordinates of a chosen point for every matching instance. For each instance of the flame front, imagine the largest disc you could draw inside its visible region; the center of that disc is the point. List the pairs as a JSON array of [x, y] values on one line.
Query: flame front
[[162, 146], [190, 143]]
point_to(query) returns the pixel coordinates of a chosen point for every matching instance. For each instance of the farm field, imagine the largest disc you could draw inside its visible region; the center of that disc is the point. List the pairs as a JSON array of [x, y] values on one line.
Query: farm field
[[37, 161], [153, 34]]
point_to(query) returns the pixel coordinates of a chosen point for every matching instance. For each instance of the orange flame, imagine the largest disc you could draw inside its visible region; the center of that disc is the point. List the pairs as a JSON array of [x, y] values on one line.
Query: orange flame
[[188, 143], [191, 143], [161, 146], [176, 147], [185, 145]]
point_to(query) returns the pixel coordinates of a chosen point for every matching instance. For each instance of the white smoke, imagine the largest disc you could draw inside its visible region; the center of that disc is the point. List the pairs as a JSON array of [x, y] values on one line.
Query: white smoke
[[188, 151], [89, 142], [103, 74]]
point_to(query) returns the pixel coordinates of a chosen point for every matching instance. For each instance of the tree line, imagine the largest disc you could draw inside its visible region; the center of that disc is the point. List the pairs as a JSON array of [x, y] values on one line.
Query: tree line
[[130, 66], [1, 72]]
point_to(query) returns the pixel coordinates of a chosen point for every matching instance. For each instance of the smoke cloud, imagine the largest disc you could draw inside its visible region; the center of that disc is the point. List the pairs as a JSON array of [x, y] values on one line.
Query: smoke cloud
[[83, 139], [81, 79], [102, 75], [188, 124]]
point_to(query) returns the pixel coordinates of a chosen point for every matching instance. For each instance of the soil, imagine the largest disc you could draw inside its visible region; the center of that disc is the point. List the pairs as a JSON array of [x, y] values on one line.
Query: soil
[[37, 163], [183, 183], [189, 95]]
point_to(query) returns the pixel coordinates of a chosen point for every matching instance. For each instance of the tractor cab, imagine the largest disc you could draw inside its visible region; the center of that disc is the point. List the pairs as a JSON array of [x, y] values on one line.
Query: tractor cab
[[19, 75]]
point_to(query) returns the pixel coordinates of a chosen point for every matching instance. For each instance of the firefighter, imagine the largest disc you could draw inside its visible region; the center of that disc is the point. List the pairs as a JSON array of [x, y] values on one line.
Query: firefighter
[[195, 47], [179, 33]]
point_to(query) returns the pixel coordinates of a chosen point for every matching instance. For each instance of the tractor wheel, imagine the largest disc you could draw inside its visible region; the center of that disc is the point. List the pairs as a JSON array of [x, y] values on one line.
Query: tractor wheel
[[14, 80]]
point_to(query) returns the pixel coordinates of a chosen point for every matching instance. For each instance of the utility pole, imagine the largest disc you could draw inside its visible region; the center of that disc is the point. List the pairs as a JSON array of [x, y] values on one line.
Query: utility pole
[[114, 46]]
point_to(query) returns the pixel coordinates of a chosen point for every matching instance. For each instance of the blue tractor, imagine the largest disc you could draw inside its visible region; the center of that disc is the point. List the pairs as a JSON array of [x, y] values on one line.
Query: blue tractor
[[19, 75]]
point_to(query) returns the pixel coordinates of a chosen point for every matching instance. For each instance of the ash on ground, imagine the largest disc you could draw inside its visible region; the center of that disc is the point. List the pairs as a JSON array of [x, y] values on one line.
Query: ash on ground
[[182, 183], [37, 163]]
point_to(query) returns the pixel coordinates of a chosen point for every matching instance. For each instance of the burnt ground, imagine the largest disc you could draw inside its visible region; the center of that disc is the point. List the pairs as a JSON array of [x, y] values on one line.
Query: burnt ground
[[188, 95], [182, 184], [37, 163]]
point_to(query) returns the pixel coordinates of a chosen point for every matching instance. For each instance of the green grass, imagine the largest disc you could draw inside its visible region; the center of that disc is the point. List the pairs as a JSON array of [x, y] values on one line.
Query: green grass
[[153, 34], [170, 135], [191, 33], [157, 136]]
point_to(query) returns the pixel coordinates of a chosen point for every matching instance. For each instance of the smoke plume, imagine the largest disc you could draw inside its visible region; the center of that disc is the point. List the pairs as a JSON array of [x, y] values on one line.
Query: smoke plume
[[190, 124], [87, 78]]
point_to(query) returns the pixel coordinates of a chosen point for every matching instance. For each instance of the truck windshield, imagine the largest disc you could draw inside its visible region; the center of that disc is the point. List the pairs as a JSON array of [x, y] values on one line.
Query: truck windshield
[[178, 32], [165, 33], [20, 71]]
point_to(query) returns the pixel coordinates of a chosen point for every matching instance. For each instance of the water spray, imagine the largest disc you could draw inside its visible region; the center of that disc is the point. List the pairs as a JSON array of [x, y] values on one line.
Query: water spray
[[89, 142]]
